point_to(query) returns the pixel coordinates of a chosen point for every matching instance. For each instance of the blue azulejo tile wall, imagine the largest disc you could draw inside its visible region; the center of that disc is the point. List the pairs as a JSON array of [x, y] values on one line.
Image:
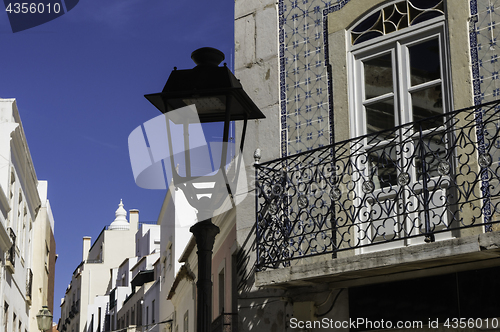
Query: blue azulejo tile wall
[[305, 81]]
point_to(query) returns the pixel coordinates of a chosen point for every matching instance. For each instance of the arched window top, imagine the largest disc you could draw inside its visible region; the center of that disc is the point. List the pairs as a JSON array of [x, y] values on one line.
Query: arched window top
[[395, 17]]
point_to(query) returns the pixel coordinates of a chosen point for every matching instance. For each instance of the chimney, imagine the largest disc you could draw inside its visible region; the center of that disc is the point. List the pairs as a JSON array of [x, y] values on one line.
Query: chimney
[[86, 247], [134, 220]]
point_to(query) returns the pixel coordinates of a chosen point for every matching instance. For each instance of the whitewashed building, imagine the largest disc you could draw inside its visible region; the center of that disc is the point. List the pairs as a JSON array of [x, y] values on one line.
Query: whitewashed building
[[86, 303], [27, 245], [115, 286], [140, 307], [176, 217], [44, 259]]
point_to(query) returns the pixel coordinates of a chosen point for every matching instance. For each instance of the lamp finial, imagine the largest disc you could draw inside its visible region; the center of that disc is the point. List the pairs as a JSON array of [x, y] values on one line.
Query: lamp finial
[[207, 56]]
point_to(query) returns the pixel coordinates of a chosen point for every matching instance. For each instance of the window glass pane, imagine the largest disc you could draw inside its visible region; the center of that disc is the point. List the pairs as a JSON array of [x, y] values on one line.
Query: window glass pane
[[378, 76], [425, 4], [425, 62], [426, 16], [428, 103], [383, 166], [356, 39], [367, 23], [384, 222], [434, 149], [380, 116]]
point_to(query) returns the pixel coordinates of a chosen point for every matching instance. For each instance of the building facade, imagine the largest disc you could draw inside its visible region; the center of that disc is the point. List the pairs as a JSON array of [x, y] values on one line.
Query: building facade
[[44, 259], [182, 292], [140, 307], [117, 284], [27, 245], [86, 302], [175, 218], [377, 181]]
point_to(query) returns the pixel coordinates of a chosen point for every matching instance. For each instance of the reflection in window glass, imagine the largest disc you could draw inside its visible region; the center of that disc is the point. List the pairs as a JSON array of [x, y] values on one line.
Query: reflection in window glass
[[424, 62], [380, 116], [378, 76], [383, 166], [384, 220], [428, 103], [435, 152]]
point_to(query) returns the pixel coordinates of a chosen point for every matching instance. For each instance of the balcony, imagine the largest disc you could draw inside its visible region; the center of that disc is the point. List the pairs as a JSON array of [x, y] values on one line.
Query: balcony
[[112, 299], [10, 262], [29, 286], [226, 322], [433, 180]]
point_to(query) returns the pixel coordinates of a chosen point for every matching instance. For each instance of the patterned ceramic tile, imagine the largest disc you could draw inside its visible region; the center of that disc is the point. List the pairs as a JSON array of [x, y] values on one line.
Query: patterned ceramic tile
[[305, 109], [484, 39], [483, 5], [304, 84]]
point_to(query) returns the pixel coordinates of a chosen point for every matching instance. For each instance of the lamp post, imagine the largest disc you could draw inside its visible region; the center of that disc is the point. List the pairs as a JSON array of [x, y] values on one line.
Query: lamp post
[[218, 97], [44, 319]]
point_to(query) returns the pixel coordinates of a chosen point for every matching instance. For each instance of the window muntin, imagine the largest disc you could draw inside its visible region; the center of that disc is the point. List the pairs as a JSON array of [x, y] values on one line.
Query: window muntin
[[426, 82], [378, 86], [400, 82], [378, 76], [395, 17]]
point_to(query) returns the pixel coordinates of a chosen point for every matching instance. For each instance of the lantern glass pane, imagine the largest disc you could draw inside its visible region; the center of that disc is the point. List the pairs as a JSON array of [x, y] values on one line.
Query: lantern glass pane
[[44, 320], [196, 148], [208, 105]]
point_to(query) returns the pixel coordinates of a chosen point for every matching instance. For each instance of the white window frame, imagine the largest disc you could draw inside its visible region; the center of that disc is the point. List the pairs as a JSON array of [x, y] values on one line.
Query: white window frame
[[396, 44], [378, 46]]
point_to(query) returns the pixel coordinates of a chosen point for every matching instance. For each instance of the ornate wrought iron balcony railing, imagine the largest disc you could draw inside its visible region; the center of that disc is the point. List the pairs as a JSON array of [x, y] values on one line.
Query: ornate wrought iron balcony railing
[[29, 284], [423, 181], [11, 253]]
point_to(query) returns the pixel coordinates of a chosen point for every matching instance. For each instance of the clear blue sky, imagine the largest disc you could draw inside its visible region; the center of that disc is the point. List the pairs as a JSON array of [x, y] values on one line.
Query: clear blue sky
[[79, 82]]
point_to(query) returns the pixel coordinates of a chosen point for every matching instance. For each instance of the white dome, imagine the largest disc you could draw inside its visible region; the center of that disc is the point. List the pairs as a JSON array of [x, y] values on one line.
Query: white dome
[[120, 222]]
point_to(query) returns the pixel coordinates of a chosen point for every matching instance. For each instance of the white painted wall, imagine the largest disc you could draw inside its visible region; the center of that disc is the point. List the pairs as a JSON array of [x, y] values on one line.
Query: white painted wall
[[94, 276], [176, 217], [19, 204], [147, 239]]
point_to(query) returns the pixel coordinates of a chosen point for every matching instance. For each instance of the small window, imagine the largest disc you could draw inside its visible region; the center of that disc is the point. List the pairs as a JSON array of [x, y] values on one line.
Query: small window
[[221, 291], [186, 321], [5, 315], [153, 312], [47, 255]]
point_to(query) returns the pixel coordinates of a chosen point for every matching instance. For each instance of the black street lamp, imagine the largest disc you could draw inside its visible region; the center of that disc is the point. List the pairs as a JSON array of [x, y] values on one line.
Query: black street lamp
[[218, 97], [44, 319]]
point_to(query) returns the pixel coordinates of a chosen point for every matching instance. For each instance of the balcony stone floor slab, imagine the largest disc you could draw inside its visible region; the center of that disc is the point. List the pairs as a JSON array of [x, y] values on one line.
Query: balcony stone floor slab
[[447, 256]]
